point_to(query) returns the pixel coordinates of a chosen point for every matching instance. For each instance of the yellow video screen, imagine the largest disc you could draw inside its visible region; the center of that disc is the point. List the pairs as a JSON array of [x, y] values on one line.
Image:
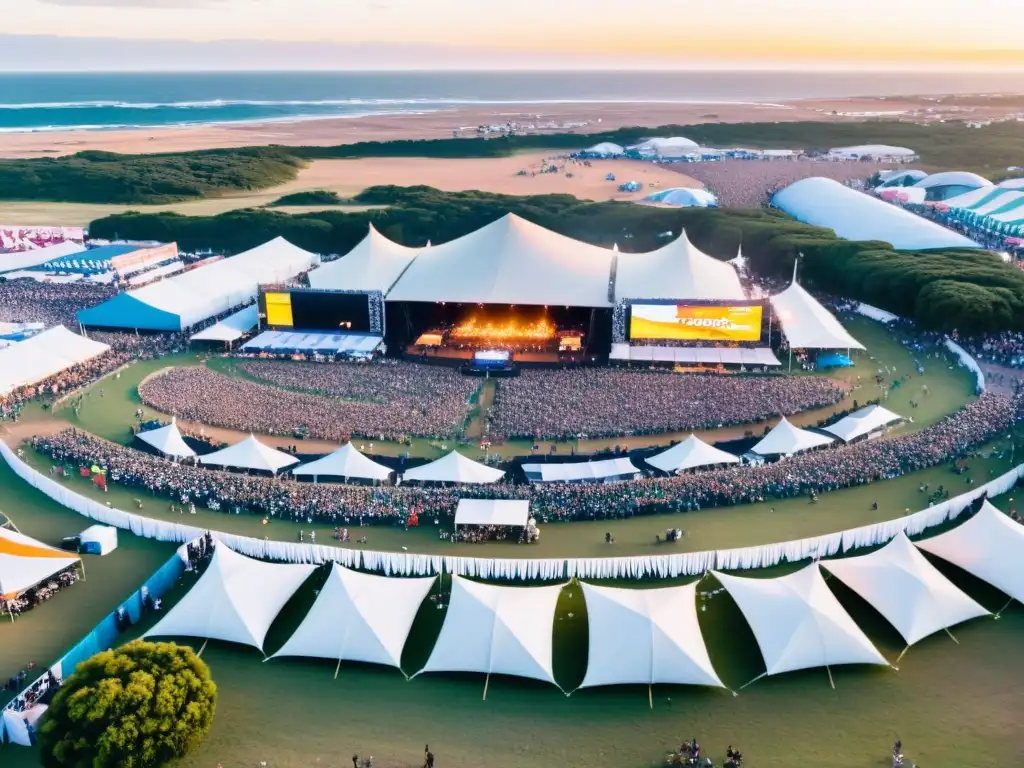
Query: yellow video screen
[[690, 322], [279, 309]]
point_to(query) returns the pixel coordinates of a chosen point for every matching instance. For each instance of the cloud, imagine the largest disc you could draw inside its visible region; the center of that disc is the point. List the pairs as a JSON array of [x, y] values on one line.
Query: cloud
[[132, 3]]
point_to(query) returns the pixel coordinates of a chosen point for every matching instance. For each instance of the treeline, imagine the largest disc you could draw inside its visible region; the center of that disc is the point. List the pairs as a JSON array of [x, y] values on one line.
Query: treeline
[[969, 291], [104, 177]]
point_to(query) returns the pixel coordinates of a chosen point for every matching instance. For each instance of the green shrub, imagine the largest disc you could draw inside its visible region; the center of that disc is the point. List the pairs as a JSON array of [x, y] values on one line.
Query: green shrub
[[313, 197]]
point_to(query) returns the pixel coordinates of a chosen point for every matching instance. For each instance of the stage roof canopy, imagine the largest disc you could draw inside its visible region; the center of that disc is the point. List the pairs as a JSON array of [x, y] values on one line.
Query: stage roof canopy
[[646, 636], [497, 630], [167, 439], [798, 623], [807, 324], [989, 546], [359, 617], [373, 265], [690, 454], [676, 271], [179, 302], [900, 583], [43, 355], [235, 600], [509, 261], [346, 461], [232, 327]]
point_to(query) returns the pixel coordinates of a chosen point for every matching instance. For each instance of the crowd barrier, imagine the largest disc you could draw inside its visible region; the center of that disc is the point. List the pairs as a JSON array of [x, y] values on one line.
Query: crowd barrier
[[874, 313], [524, 569], [968, 362], [15, 725]]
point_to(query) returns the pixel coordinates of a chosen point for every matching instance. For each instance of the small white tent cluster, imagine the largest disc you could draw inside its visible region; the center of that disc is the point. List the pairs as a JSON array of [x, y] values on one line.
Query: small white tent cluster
[[691, 453], [785, 440], [863, 423], [250, 453], [346, 462], [167, 440]]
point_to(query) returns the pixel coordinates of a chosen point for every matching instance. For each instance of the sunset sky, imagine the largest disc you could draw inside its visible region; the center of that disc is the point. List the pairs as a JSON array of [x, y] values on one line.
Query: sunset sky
[[639, 33]]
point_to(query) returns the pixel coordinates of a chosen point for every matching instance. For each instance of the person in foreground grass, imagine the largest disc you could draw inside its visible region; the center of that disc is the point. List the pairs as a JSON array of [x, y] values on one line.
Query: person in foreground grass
[[143, 705]]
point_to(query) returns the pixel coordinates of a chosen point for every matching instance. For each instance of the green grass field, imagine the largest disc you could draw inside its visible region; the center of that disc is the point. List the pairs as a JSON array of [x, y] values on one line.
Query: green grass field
[[952, 705]]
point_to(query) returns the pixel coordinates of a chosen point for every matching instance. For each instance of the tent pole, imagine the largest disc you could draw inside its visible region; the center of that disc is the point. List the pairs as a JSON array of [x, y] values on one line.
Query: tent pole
[[82, 564], [203, 647], [487, 682], [650, 696], [790, 358], [898, 658], [1000, 613], [830, 680], [763, 674], [951, 636], [337, 669]]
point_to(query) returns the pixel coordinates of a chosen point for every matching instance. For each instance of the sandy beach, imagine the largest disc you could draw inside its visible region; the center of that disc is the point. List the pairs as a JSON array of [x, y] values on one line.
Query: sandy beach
[[548, 118]]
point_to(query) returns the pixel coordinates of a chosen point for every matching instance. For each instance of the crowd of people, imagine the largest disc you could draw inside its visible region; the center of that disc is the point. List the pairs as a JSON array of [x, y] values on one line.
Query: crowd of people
[[952, 438], [384, 400], [1005, 348], [612, 402], [30, 301], [751, 184]]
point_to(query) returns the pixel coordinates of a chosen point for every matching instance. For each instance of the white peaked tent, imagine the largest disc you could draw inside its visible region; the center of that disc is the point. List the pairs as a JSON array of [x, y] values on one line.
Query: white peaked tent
[[989, 546], [863, 422], [798, 623], [807, 324], [646, 636], [690, 454], [24, 562], [455, 468], [249, 454], [359, 617], [677, 270], [786, 439], [373, 265], [235, 600], [347, 461], [497, 630], [167, 439], [899, 583]]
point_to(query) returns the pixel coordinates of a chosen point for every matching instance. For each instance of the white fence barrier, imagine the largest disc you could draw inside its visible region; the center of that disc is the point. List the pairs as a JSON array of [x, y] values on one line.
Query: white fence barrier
[[408, 564], [967, 362]]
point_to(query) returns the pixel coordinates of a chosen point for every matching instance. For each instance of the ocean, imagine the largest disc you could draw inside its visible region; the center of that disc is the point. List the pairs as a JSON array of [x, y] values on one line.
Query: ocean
[[91, 101]]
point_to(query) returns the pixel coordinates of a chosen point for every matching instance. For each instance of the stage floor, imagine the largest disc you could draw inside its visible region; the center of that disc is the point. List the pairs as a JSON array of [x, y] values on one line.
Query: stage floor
[[457, 356]]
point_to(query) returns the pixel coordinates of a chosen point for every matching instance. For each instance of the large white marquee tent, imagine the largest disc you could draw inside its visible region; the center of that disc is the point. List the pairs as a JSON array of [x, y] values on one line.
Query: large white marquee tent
[[989, 546], [807, 324], [497, 630], [786, 439], [691, 453], [671, 146], [454, 468], [249, 453], [375, 264], [24, 562], [798, 623], [646, 636], [167, 439], [909, 592], [179, 302], [359, 617], [44, 355], [231, 328], [235, 600], [345, 462], [510, 261], [676, 271], [854, 215]]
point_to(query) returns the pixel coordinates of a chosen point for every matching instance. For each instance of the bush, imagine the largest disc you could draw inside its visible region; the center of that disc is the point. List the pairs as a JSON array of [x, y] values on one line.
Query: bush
[[143, 705], [314, 197]]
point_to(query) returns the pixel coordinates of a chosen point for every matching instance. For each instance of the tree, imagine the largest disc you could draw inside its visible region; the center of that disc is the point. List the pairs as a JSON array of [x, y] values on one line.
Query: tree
[[140, 706]]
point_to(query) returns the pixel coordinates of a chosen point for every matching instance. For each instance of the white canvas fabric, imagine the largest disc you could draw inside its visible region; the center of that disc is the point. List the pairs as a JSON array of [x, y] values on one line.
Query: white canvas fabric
[[863, 422], [854, 215], [524, 264], [167, 439], [24, 562], [899, 583], [235, 600], [492, 512], [9, 262], [676, 271], [104, 535], [798, 623], [690, 454], [807, 324], [968, 199], [786, 439], [499, 630], [989, 546], [645, 636], [877, 151], [43, 355], [580, 471], [454, 468], [373, 265], [347, 461], [250, 453], [606, 149], [955, 179], [359, 617], [232, 327]]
